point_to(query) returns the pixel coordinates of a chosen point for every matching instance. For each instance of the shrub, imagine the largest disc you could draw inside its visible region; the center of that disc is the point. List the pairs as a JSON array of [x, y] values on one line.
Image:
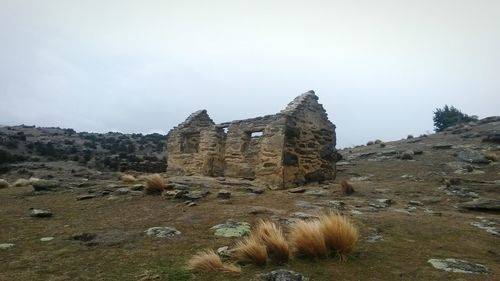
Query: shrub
[[155, 184], [271, 235], [128, 178], [4, 183], [449, 116], [340, 234], [251, 250], [307, 239], [346, 188], [208, 261]]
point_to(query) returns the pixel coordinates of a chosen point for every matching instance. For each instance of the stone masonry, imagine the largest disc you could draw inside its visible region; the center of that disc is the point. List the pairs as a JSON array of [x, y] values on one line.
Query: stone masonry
[[287, 149]]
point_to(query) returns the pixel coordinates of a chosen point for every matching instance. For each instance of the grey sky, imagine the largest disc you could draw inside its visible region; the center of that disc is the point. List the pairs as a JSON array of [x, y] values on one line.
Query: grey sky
[[379, 67]]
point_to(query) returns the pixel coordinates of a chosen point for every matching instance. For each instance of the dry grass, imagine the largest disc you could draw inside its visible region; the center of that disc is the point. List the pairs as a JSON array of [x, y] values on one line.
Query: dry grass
[[127, 178], [205, 261], [492, 156], [155, 184], [346, 188], [307, 239], [4, 183], [271, 236], [251, 250], [208, 261], [340, 234], [21, 182]]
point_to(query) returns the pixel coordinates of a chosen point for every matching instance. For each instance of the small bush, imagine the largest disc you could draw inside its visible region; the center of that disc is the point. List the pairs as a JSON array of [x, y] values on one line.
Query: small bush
[[251, 250], [128, 178], [4, 183], [271, 236], [155, 184], [346, 188], [308, 240], [339, 233]]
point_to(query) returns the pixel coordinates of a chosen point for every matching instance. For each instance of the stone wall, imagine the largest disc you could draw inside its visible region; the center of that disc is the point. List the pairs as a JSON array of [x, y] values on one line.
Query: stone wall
[[290, 148]]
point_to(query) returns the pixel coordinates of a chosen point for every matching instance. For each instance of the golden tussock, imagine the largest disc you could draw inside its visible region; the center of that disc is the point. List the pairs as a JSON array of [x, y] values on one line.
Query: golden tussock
[[307, 239], [205, 261], [128, 178], [340, 234], [490, 155], [251, 250], [155, 184], [346, 188], [21, 182], [271, 235], [4, 183]]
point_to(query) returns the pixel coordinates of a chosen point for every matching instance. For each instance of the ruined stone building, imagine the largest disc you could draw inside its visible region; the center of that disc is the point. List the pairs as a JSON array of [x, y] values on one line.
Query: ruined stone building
[[290, 148]]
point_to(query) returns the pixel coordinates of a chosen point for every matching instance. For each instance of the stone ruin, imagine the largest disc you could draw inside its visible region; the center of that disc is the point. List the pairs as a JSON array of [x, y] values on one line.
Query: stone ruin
[[287, 149]]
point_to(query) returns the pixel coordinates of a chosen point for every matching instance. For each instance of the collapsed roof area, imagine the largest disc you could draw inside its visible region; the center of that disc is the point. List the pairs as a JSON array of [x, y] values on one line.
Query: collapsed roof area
[[287, 149]]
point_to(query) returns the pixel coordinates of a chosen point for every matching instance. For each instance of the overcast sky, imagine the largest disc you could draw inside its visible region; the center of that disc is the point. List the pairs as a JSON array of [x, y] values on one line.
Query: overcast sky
[[380, 68]]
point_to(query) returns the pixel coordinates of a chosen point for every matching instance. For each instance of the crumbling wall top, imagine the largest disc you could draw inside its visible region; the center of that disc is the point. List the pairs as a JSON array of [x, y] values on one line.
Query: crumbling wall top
[[197, 118], [300, 100]]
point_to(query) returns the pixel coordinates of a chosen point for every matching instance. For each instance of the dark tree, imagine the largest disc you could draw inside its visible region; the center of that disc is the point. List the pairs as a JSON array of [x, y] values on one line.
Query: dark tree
[[449, 116]]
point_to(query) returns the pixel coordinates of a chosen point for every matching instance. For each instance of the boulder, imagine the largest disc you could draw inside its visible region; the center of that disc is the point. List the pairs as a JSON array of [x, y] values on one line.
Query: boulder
[[482, 204], [472, 156], [224, 194], [44, 185], [5, 246], [232, 229], [162, 232], [281, 275], [39, 213]]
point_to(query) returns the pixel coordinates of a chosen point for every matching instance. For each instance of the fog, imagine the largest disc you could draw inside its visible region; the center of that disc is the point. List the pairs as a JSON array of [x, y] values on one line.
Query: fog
[[380, 68]]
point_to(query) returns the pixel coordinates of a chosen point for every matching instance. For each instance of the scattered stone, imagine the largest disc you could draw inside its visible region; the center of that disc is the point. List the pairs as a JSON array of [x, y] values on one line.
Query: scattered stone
[[442, 146], [346, 188], [232, 229], [374, 235], [254, 189], [493, 136], [137, 187], [303, 216], [162, 232], [415, 203], [482, 204], [224, 194], [39, 213], [297, 190], [195, 195], [46, 239], [489, 225], [224, 251], [85, 197], [472, 156], [318, 193], [44, 185], [264, 210], [191, 203], [458, 266], [5, 246], [282, 275], [4, 183], [460, 191], [121, 191], [361, 178], [83, 237], [381, 203]]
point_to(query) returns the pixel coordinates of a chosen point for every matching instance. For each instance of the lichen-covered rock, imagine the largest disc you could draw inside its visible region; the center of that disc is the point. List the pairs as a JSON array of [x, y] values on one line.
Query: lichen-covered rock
[[232, 229], [5, 246], [44, 185], [458, 266], [472, 156], [281, 275], [162, 232]]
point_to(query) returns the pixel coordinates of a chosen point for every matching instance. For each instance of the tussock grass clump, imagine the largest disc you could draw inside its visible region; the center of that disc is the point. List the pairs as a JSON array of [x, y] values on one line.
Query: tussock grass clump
[[4, 183], [127, 178], [308, 240], [21, 182], [271, 236], [251, 250], [346, 188], [492, 156], [155, 184], [340, 234], [208, 261]]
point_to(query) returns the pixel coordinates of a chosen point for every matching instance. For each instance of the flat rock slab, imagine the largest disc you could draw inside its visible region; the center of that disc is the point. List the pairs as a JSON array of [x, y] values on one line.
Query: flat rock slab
[[46, 239], [39, 213], [85, 197], [162, 232], [472, 156], [491, 205], [489, 225], [442, 146], [44, 185], [5, 246], [232, 229], [281, 275], [458, 266], [297, 190], [111, 238], [256, 210]]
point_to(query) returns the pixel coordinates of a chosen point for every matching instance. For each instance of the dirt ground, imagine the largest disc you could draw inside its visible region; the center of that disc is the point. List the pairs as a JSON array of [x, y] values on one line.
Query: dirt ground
[[396, 240]]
